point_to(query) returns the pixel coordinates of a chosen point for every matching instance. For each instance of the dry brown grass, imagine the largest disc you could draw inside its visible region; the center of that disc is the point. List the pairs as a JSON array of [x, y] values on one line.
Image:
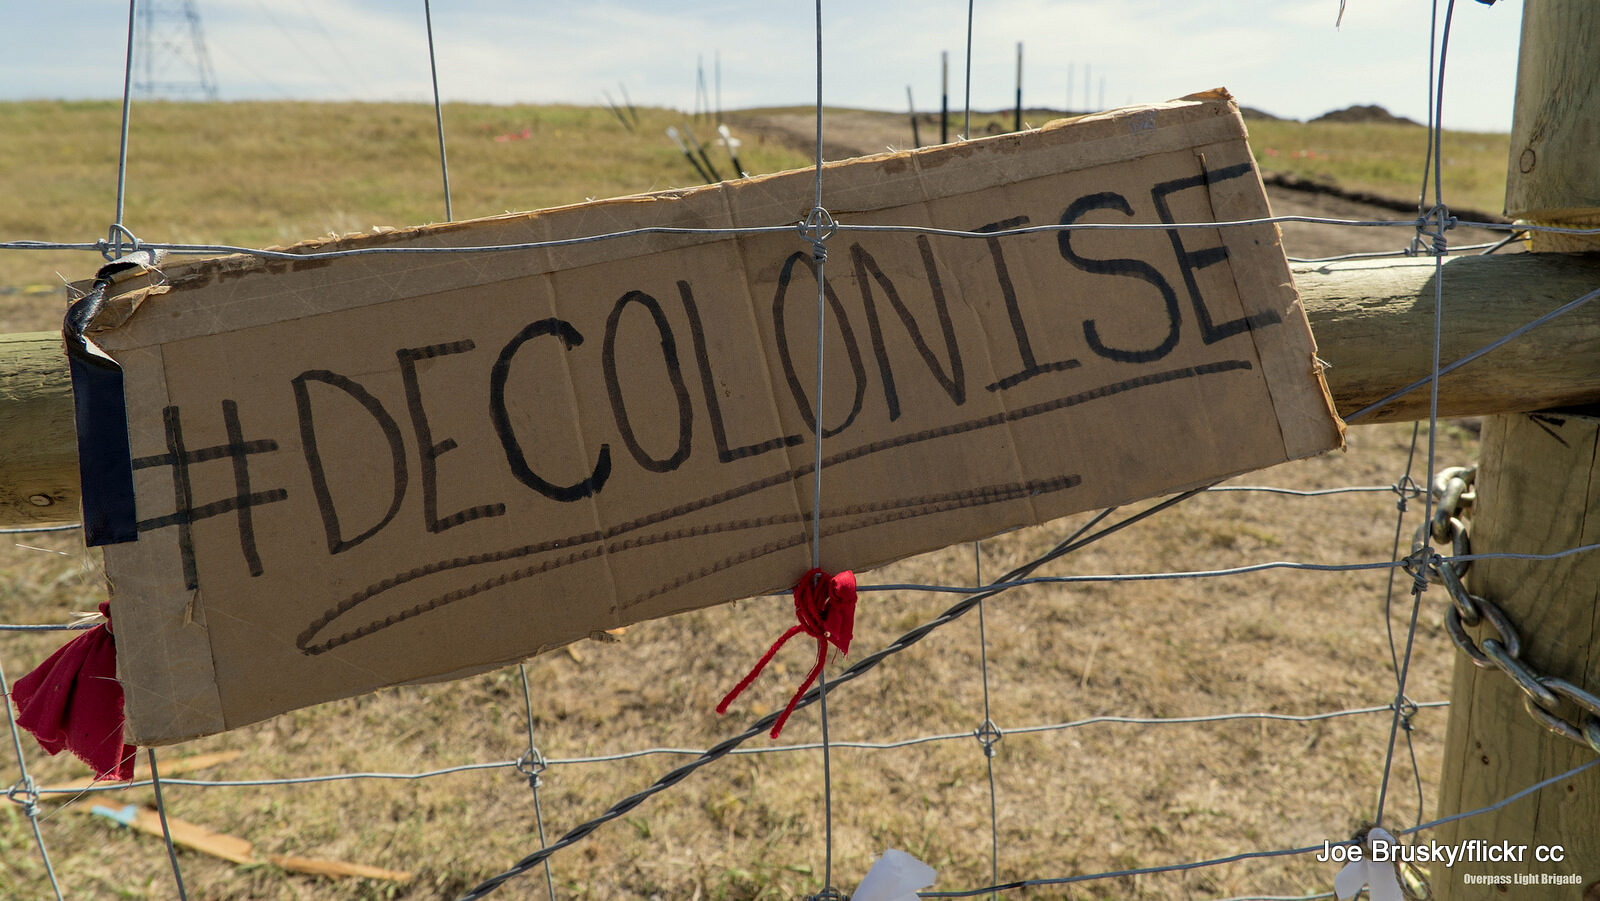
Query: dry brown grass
[[1080, 801], [1076, 801]]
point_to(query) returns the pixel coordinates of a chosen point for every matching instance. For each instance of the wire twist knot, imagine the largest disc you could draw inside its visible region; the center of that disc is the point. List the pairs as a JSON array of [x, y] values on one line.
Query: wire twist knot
[[1407, 488], [988, 735], [532, 764], [25, 795], [118, 243], [1407, 709], [817, 228], [1419, 563], [1432, 225]]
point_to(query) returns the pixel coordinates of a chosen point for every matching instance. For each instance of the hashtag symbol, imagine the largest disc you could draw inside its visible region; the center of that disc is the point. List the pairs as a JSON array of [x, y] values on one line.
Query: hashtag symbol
[[185, 513]]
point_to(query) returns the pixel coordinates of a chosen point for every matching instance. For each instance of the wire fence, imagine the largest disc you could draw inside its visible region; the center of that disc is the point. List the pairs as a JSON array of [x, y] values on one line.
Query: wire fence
[[1429, 229]]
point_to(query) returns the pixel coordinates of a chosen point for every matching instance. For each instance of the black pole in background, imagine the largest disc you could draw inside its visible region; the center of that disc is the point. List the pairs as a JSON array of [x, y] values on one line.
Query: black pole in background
[[1017, 125], [732, 144], [700, 148], [615, 110], [944, 91], [689, 155], [700, 101], [916, 139], [628, 101]]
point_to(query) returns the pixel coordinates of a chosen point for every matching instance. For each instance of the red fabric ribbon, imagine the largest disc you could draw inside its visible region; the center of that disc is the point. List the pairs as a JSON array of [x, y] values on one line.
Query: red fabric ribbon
[[73, 701], [825, 605]]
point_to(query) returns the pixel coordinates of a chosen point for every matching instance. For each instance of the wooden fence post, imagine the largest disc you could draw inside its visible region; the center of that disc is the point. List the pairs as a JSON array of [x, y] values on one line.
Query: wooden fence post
[[1538, 492], [1553, 176]]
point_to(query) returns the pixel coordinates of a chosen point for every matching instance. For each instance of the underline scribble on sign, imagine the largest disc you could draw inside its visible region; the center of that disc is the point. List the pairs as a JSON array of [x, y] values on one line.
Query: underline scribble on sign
[[595, 543]]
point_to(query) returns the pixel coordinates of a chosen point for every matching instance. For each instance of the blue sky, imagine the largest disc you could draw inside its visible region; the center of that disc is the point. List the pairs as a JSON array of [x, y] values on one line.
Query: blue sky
[[1284, 56]]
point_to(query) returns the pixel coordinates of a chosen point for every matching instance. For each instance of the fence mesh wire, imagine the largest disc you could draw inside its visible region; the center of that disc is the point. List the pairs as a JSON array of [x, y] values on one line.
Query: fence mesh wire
[[1429, 231]]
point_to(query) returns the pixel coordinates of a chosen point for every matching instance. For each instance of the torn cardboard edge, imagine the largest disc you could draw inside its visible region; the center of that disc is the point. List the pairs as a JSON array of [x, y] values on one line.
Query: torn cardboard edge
[[1098, 139]]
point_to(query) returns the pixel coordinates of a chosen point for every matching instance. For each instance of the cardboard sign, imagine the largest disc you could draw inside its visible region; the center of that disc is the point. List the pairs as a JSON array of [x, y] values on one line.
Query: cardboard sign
[[369, 470]]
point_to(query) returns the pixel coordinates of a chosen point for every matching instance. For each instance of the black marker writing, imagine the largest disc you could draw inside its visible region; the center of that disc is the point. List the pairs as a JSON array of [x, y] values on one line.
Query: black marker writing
[[429, 452], [337, 543], [669, 356], [185, 513], [501, 416]]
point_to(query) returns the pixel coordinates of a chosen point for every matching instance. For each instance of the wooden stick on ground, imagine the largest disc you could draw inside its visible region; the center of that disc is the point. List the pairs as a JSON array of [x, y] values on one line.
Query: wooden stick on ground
[[237, 850]]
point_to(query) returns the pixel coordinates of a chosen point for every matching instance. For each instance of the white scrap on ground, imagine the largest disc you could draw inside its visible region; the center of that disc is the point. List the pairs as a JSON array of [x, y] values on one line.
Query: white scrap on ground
[[896, 876]]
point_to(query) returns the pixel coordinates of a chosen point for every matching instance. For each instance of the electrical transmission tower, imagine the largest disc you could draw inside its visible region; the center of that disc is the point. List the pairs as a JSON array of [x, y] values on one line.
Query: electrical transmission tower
[[172, 58]]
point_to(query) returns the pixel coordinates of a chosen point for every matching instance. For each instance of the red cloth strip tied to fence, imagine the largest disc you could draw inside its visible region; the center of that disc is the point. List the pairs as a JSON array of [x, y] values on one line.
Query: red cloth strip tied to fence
[[73, 702], [825, 605]]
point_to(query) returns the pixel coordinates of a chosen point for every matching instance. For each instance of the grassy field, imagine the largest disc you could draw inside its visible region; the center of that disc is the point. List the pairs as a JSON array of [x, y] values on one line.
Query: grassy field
[[1070, 801], [263, 174], [1385, 159]]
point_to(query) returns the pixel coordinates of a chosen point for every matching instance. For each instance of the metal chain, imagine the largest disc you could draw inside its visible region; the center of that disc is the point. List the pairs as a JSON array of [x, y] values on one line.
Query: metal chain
[[1542, 694], [1453, 492]]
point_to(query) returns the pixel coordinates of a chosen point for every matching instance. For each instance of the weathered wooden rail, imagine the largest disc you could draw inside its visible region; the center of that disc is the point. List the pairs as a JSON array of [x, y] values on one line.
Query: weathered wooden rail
[[1373, 321]]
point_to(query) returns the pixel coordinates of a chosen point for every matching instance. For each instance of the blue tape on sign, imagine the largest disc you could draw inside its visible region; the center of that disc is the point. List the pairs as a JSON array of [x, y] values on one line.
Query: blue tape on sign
[[105, 463]]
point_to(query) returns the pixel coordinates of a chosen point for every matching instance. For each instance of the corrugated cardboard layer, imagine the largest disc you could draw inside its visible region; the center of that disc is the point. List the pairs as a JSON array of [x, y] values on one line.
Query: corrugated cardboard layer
[[370, 470]]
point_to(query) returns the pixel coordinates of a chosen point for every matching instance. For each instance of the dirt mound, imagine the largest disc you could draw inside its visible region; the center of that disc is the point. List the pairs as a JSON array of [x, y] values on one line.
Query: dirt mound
[[1359, 113], [1250, 112]]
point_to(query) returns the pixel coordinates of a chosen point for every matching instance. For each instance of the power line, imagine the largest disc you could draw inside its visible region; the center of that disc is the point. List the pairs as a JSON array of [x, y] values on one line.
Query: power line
[[172, 56]]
